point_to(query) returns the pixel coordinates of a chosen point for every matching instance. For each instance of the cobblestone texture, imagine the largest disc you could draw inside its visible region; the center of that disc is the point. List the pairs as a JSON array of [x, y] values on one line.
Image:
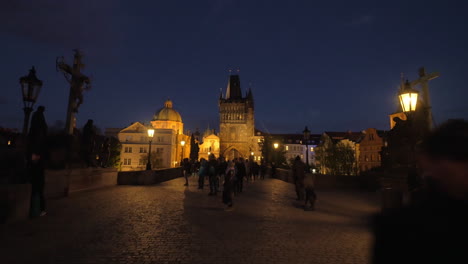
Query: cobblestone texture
[[170, 223]]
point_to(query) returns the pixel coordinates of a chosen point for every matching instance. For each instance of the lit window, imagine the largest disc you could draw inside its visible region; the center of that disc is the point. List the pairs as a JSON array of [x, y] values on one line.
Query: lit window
[[127, 161], [312, 149], [287, 147], [128, 150]]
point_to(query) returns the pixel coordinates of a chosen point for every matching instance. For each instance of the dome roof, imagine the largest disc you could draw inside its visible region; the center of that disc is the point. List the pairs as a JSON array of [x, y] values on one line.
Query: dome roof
[[167, 113]]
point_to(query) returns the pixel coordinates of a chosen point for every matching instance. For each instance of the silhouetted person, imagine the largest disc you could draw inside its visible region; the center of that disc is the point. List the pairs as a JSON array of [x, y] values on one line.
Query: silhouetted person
[[202, 172], [433, 229], [228, 186], [186, 167], [212, 174], [263, 169], [37, 147], [89, 135], [298, 172], [310, 195]]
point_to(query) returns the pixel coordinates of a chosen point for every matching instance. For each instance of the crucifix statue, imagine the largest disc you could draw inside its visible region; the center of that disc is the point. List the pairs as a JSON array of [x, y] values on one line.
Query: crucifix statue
[[424, 82], [78, 83]]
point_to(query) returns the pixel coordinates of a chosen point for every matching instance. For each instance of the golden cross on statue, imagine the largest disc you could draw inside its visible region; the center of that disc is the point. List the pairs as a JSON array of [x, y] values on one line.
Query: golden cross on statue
[[423, 81]]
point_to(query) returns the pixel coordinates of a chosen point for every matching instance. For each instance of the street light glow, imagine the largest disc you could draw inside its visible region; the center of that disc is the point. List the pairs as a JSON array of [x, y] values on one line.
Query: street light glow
[[276, 145], [408, 98], [150, 133]]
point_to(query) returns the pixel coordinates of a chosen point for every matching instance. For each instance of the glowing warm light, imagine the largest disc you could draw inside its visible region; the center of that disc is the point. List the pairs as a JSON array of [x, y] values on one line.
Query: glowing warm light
[[408, 98], [276, 145], [408, 101], [9, 142], [150, 133], [311, 148], [313, 170], [209, 153], [182, 143], [251, 153]]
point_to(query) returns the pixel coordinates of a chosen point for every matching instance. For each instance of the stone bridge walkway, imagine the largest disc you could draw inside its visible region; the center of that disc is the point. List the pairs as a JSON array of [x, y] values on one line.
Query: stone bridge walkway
[[170, 223]]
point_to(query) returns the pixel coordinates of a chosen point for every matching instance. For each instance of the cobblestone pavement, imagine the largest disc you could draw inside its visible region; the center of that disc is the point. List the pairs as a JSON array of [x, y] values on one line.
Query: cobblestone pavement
[[170, 223]]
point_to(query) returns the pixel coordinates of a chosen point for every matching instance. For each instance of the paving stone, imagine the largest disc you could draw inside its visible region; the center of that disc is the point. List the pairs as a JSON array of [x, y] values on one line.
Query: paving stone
[[170, 223]]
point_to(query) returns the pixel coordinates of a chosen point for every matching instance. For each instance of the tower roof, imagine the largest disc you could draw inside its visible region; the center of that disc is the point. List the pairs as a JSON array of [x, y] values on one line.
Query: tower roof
[[233, 90]]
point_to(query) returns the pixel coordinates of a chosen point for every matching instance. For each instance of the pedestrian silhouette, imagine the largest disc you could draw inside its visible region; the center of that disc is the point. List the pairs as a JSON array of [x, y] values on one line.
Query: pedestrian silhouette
[[37, 147]]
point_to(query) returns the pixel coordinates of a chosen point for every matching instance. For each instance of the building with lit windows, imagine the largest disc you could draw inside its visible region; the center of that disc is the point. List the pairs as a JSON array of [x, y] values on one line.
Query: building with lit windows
[[166, 148]]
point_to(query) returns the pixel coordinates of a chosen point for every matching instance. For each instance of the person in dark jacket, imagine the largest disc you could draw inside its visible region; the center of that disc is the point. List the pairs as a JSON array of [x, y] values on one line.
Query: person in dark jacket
[[37, 148], [241, 173], [202, 172], [186, 167], [229, 178], [433, 229], [212, 174], [298, 172]]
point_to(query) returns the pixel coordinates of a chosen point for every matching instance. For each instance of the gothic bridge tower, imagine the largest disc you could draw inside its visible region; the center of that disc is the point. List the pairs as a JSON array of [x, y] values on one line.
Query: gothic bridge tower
[[236, 121]]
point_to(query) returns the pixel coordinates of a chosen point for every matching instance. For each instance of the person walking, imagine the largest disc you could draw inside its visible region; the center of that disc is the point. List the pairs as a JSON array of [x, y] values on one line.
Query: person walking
[[186, 166], [433, 228], [263, 169], [37, 148], [298, 172], [212, 174], [310, 195], [229, 179], [202, 171], [241, 173]]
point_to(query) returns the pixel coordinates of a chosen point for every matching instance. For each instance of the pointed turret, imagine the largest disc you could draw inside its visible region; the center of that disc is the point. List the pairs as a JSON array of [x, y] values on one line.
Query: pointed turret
[[233, 90], [249, 94]]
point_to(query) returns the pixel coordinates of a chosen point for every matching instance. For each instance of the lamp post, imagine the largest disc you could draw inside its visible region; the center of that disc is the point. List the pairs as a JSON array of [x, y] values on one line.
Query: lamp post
[[182, 143], [306, 134], [150, 136], [400, 151], [30, 87], [276, 145]]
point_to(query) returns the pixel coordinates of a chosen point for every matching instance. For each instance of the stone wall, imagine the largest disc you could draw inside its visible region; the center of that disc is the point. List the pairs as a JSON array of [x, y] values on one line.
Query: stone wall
[[15, 198], [148, 177]]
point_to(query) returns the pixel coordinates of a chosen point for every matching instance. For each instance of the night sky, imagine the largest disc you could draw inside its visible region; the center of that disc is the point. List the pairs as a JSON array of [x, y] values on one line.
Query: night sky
[[331, 65]]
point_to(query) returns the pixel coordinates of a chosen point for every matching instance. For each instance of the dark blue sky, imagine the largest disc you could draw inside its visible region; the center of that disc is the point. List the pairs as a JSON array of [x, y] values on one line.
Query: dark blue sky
[[333, 65]]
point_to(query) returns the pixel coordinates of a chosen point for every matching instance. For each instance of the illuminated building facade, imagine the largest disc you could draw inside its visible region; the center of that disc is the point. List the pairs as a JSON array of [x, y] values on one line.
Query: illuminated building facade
[[166, 148], [236, 122]]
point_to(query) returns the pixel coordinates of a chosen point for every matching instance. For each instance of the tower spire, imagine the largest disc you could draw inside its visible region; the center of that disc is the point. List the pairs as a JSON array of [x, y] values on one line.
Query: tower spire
[[233, 90]]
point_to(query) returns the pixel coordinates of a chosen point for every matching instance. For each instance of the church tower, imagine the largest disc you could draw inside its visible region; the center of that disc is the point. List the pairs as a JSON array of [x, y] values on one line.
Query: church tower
[[236, 121]]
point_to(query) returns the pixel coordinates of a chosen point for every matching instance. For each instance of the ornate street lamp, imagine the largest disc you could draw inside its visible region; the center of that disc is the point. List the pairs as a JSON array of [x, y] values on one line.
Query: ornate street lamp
[[150, 136], [306, 134], [30, 87], [182, 143], [408, 98]]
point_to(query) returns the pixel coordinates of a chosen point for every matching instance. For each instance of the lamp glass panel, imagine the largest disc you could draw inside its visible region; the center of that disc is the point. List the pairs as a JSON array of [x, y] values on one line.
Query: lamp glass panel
[[408, 101], [150, 133]]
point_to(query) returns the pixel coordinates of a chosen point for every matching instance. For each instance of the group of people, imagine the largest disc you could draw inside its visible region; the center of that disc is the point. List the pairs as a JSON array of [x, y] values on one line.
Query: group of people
[[229, 173]]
